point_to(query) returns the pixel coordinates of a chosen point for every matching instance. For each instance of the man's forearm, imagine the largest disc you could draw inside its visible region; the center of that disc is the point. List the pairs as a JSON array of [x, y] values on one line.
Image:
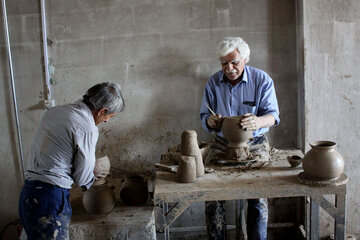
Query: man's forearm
[[266, 121]]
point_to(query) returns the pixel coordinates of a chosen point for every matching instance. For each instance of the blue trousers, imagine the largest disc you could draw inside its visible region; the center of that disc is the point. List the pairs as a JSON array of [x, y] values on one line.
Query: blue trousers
[[257, 218], [257, 212], [45, 210]]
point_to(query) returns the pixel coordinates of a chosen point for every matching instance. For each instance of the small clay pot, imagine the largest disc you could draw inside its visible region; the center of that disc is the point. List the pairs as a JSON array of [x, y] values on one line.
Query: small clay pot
[[186, 172], [322, 161], [103, 164], [99, 199], [134, 190], [189, 143], [294, 160], [190, 147], [232, 132]]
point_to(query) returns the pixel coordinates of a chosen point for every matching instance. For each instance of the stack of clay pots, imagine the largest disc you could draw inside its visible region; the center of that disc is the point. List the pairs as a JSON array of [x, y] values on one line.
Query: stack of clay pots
[[100, 197], [191, 164]]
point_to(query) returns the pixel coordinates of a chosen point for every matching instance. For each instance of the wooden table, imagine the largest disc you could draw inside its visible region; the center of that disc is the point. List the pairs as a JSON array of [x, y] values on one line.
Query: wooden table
[[228, 183]]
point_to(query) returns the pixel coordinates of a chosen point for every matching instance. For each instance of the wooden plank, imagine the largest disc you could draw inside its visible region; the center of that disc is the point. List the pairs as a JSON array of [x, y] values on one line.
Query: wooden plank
[[175, 211], [314, 220], [340, 220]]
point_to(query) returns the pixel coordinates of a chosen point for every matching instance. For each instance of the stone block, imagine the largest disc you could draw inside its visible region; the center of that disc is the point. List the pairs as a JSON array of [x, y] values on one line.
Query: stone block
[[123, 222]]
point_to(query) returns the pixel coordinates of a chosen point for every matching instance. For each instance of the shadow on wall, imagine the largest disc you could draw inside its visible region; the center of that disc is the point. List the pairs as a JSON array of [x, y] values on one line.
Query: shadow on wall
[[282, 69]]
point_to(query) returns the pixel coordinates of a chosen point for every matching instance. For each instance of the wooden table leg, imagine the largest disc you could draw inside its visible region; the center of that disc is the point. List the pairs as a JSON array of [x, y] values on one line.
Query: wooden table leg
[[340, 216], [166, 230], [314, 220], [240, 220]]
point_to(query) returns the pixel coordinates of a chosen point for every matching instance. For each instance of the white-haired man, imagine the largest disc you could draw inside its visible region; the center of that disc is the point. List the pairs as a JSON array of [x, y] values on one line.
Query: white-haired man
[[238, 90], [63, 152]]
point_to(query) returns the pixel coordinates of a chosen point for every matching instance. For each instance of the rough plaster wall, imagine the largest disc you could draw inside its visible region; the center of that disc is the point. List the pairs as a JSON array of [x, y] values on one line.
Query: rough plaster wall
[[24, 26], [332, 89], [161, 52]]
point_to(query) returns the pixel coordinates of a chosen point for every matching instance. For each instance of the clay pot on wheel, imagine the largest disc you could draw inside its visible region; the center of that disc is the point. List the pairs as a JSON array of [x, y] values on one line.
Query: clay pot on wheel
[[99, 199], [322, 161], [134, 191], [190, 147], [232, 132]]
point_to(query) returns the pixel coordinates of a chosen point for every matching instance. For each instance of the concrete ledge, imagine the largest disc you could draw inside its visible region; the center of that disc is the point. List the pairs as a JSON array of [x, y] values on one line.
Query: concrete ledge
[[123, 222]]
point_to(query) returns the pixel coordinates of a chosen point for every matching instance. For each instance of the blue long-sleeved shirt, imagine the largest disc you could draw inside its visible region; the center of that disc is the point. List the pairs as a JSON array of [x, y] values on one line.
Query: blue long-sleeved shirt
[[254, 94], [63, 150]]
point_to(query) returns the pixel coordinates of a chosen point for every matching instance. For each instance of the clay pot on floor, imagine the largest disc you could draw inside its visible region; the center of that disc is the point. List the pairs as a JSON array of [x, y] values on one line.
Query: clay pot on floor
[[236, 136], [134, 190], [186, 172], [322, 161], [99, 199], [190, 147]]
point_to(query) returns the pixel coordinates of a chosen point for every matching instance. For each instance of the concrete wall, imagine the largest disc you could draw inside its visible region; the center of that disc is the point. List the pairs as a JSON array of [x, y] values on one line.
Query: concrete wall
[[162, 53], [332, 89]]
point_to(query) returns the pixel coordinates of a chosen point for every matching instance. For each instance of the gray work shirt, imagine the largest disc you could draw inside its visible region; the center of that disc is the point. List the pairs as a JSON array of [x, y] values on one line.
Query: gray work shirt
[[63, 150]]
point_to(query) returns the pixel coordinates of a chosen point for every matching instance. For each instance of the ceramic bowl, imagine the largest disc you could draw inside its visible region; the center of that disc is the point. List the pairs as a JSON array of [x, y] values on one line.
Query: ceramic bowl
[[294, 160]]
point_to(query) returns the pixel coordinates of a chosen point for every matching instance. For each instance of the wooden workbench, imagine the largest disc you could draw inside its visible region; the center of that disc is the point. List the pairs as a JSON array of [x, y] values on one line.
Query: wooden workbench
[[275, 180]]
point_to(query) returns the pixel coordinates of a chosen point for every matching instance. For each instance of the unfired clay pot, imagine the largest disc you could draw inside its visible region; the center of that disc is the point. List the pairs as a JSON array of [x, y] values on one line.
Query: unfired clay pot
[[322, 161], [99, 199], [104, 164], [134, 191], [236, 136], [186, 171], [294, 160], [190, 147]]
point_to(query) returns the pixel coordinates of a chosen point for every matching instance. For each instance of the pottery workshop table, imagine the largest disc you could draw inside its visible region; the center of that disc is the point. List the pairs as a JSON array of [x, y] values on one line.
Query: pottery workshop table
[[276, 180]]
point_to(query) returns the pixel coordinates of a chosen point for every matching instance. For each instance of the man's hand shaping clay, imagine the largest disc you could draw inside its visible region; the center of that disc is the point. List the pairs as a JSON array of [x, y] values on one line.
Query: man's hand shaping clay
[[214, 122], [250, 122]]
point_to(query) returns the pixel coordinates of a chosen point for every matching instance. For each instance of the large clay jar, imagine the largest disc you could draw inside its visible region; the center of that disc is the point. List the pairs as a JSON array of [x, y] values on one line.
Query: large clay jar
[[190, 147], [322, 161], [232, 132], [99, 199], [186, 171], [134, 191]]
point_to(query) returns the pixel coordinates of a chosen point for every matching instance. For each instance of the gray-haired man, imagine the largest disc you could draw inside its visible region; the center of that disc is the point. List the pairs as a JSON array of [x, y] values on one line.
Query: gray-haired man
[[63, 152], [238, 90]]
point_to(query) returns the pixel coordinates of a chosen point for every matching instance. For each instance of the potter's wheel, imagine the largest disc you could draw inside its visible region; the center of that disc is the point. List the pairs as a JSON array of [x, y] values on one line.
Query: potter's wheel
[[233, 162], [304, 179], [237, 156]]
